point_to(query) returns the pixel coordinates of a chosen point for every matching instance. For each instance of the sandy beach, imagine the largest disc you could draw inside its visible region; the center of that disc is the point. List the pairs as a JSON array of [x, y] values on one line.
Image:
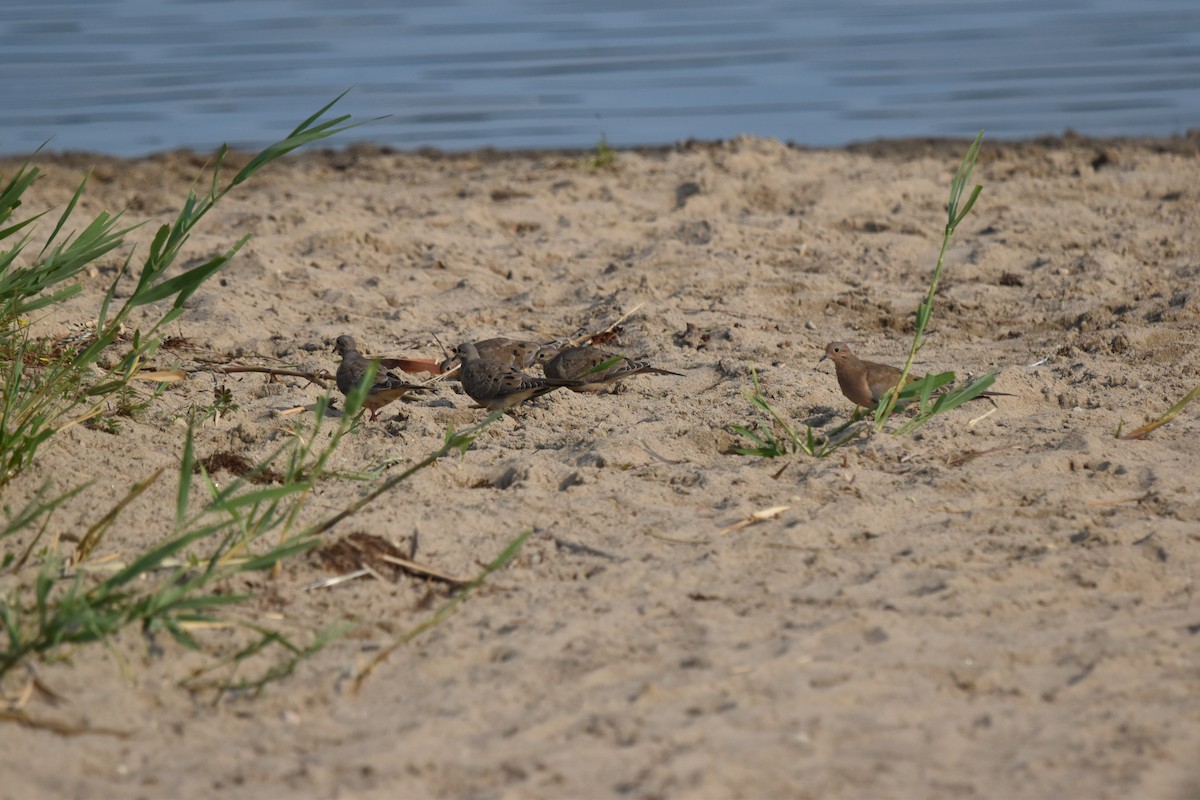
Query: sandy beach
[[999, 606]]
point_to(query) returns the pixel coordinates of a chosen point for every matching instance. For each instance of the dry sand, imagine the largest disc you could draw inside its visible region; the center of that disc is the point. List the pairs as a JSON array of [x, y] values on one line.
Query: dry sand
[[1021, 623]]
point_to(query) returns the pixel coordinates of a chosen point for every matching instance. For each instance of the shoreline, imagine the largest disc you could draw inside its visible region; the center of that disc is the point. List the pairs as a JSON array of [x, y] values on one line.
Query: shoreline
[[1183, 143]]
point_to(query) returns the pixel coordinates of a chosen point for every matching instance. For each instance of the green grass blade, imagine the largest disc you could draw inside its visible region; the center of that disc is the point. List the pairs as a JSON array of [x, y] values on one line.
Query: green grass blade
[[259, 496], [205, 602], [966, 209], [964, 394], [152, 559], [186, 467], [62, 295], [11, 229], [306, 132], [180, 635], [1170, 414], [268, 560], [604, 365], [961, 178], [186, 284], [10, 197], [70, 209]]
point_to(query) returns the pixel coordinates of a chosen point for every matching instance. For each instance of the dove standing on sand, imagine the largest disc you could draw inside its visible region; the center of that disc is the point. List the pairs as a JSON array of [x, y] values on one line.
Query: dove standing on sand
[[387, 387], [497, 385], [864, 382], [513, 352], [578, 363]]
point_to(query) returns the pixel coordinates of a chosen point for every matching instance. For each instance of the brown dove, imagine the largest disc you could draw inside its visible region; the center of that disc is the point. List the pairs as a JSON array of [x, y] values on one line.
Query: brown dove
[[498, 385], [864, 382], [577, 363], [387, 387], [514, 352]]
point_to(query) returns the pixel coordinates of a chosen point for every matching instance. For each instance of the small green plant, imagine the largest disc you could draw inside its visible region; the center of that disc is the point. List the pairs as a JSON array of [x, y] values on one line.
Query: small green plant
[[124, 404], [957, 210], [222, 404], [605, 156], [769, 444], [130, 404], [105, 423], [924, 398], [46, 387]]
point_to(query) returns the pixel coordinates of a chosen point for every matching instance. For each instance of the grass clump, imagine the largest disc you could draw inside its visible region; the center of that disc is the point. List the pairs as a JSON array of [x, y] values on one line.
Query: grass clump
[[179, 585], [194, 582], [772, 436], [923, 399], [223, 404], [50, 597], [604, 157], [44, 386]]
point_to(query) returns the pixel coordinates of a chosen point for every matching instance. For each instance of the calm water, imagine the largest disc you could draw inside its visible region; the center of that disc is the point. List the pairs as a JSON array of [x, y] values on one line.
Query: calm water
[[133, 76]]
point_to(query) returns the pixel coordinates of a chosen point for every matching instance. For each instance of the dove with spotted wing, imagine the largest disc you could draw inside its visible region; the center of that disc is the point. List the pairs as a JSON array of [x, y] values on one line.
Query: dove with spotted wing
[[587, 365], [498, 385], [518, 353], [386, 388]]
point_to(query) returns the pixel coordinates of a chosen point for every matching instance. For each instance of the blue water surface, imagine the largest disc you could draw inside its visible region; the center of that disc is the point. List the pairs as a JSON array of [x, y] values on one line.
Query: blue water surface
[[128, 77]]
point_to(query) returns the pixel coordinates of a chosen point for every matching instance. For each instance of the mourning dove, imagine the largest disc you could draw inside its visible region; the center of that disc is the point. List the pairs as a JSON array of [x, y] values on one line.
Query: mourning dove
[[577, 363], [497, 385], [387, 387], [864, 382], [514, 352]]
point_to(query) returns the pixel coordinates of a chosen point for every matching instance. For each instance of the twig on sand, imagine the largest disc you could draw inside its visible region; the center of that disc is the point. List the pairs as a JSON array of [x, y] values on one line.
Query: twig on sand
[[958, 459], [589, 337], [506, 555], [1121, 500], [329, 583], [1172, 412], [61, 728], [368, 554], [422, 570], [673, 540], [319, 377], [753, 519]]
